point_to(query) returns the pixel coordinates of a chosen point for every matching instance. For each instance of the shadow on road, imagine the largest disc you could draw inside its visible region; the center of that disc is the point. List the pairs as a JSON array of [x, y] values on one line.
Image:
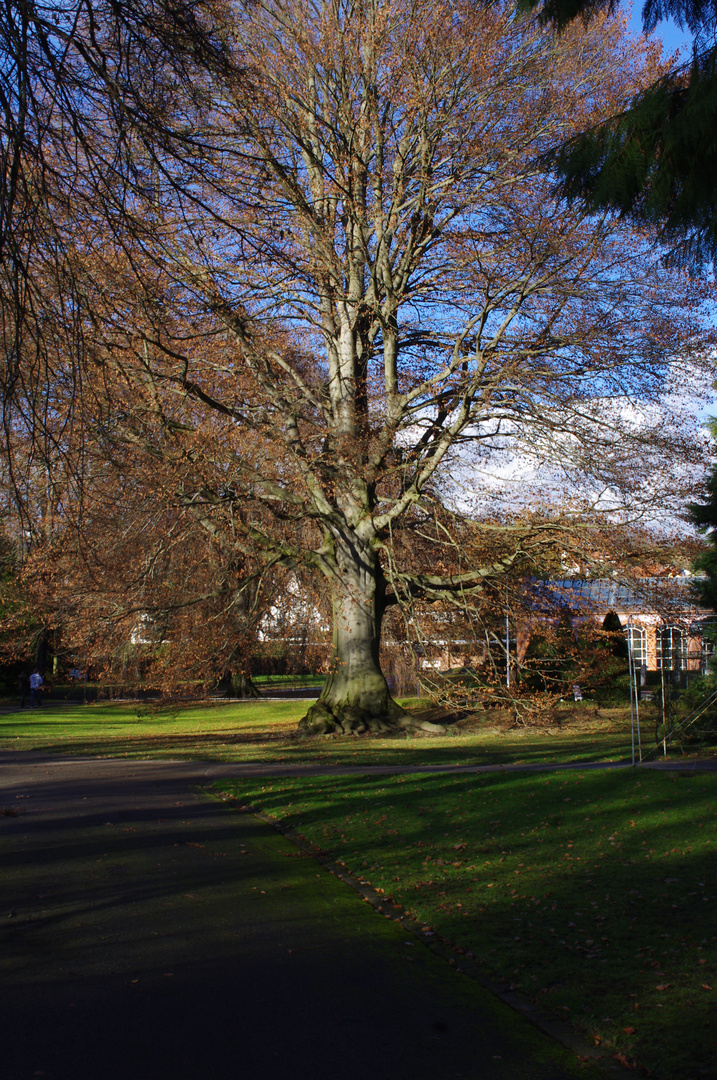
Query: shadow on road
[[148, 932]]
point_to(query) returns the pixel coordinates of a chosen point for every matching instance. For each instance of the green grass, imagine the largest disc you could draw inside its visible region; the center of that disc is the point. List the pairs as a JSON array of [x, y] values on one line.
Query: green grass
[[266, 731], [288, 680], [593, 893], [231, 732]]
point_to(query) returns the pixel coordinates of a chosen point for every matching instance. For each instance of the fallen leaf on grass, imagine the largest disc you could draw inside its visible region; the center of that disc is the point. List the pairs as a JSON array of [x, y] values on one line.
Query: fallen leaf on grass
[[629, 1030], [624, 1060]]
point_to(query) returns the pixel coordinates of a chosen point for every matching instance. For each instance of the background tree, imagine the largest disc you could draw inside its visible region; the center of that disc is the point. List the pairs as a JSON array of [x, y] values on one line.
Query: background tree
[[129, 572], [352, 273], [655, 159], [703, 514], [66, 68]]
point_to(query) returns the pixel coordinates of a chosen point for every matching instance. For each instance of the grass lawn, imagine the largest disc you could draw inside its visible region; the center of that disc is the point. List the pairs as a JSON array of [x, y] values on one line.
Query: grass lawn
[[266, 731], [593, 893]]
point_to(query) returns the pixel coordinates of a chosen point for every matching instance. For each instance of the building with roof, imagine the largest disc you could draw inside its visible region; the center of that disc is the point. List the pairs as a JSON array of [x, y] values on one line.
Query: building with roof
[[665, 627]]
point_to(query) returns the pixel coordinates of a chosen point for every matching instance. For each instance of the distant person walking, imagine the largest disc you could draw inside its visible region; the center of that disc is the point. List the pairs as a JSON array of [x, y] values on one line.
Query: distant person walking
[[23, 687], [35, 689]]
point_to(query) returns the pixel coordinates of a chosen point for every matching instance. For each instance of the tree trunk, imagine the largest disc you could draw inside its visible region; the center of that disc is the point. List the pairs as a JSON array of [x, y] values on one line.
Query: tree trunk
[[241, 686], [356, 698], [42, 648]]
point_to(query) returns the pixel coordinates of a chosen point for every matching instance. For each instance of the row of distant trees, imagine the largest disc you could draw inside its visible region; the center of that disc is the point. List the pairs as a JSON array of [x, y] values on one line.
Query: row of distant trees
[[289, 294]]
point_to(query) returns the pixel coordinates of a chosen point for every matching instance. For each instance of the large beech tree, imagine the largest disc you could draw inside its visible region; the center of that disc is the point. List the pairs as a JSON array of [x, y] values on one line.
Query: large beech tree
[[334, 241]]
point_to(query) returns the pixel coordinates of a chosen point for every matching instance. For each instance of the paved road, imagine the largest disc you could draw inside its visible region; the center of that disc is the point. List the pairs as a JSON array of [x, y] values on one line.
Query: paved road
[[150, 933]]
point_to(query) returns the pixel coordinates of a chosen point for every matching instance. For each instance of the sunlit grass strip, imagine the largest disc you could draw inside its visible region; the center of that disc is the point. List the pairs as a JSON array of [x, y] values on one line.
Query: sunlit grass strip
[[266, 731], [595, 894], [217, 731]]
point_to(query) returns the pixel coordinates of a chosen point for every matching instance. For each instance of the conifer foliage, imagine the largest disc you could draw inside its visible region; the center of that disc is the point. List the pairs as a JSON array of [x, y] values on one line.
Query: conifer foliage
[[656, 160]]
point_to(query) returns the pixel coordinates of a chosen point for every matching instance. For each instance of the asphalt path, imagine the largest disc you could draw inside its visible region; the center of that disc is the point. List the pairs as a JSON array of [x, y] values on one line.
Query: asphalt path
[[147, 931]]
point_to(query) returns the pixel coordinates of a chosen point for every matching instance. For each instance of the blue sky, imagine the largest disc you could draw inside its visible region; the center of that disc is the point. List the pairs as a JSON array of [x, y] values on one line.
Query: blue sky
[[669, 32]]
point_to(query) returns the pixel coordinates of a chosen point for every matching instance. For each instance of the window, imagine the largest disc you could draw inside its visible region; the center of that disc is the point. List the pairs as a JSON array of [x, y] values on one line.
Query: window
[[637, 644], [704, 631], [671, 648]]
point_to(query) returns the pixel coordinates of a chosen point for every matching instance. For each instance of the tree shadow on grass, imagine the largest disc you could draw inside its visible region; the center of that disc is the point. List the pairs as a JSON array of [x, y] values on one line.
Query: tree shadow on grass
[[593, 894]]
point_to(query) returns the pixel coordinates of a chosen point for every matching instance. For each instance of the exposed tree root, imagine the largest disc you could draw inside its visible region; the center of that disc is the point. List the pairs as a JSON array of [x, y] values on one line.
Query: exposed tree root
[[325, 719]]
